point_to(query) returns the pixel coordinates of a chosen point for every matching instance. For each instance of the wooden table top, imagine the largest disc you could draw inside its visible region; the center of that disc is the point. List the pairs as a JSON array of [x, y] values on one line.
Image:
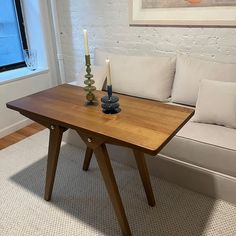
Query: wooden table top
[[142, 124]]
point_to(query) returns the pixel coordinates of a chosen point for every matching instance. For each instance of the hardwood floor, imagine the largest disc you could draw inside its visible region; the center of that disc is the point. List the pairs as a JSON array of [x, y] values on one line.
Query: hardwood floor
[[20, 135]]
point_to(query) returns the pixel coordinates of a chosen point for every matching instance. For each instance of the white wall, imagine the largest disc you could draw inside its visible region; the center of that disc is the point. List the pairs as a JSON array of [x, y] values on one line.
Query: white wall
[[11, 120], [39, 16], [107, 24]]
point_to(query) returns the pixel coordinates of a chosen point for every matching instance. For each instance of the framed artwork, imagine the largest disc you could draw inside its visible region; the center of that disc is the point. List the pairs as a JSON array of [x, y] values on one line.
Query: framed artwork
[[183, 12]]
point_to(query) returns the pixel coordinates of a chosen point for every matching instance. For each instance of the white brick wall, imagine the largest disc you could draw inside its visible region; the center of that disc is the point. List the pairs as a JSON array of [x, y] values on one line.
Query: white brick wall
[[108, 27]]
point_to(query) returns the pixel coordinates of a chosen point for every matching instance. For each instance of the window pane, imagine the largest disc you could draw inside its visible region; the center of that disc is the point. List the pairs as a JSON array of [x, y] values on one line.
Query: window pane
[[10, 42]]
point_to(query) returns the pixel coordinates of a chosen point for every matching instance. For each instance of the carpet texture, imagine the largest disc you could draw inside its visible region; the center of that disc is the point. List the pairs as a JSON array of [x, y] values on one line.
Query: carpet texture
[[80, 204]]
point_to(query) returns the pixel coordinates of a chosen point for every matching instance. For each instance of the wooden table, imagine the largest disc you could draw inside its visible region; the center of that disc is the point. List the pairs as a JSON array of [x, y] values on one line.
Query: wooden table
[[145, 126]]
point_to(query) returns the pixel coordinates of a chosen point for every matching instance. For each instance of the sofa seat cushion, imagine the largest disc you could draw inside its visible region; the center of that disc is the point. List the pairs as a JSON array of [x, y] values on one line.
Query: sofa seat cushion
[[209, 146]]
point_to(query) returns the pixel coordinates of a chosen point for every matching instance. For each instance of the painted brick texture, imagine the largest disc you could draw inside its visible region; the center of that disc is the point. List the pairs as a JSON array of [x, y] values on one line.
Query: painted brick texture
[[108, 28]]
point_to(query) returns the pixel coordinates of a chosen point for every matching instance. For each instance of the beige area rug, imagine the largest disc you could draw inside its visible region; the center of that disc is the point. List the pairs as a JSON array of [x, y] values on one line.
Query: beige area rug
[[80, 204]]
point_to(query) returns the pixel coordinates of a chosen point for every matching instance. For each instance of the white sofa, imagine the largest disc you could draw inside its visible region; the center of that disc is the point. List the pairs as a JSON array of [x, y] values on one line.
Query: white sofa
[[201, 157]]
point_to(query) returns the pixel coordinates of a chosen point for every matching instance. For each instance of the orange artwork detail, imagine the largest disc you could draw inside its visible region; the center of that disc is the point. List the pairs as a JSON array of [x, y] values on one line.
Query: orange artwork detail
[[194, 1]]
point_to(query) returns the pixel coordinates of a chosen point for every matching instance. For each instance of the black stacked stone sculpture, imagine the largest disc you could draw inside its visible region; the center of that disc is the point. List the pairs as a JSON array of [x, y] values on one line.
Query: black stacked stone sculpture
[[110, 103]]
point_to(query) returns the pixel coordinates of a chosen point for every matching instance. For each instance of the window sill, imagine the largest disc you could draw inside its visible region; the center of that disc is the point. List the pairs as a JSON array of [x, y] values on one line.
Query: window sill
[[18, 74]]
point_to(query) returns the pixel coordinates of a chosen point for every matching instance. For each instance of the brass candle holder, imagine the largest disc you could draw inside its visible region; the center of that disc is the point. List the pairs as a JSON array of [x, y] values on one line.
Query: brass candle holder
[[89, 88]]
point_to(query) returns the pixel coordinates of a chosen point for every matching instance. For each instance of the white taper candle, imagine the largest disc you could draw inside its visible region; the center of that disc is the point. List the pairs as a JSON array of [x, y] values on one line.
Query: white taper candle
[[86, 47], [108, 72]]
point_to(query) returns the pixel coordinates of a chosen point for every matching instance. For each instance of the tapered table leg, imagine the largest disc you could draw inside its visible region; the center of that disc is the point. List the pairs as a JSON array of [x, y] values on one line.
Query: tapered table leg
[[53, 153], [87, 159], [143, 171], [109, 179]]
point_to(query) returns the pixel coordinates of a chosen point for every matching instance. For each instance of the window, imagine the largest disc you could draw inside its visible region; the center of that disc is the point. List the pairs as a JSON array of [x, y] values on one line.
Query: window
[[12, 35]]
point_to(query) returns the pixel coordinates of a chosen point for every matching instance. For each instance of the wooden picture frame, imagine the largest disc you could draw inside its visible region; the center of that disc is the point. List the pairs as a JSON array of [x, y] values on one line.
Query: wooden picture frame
[[182, 16]]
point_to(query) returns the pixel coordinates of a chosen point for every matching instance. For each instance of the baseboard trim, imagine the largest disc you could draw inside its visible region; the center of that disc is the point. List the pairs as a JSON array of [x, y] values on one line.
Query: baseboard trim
[[14, 127]]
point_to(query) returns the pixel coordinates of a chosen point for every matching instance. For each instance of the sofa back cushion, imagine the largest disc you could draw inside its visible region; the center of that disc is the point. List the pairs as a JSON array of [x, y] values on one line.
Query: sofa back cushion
[[216, 103], [190, 71], [141, 76]]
